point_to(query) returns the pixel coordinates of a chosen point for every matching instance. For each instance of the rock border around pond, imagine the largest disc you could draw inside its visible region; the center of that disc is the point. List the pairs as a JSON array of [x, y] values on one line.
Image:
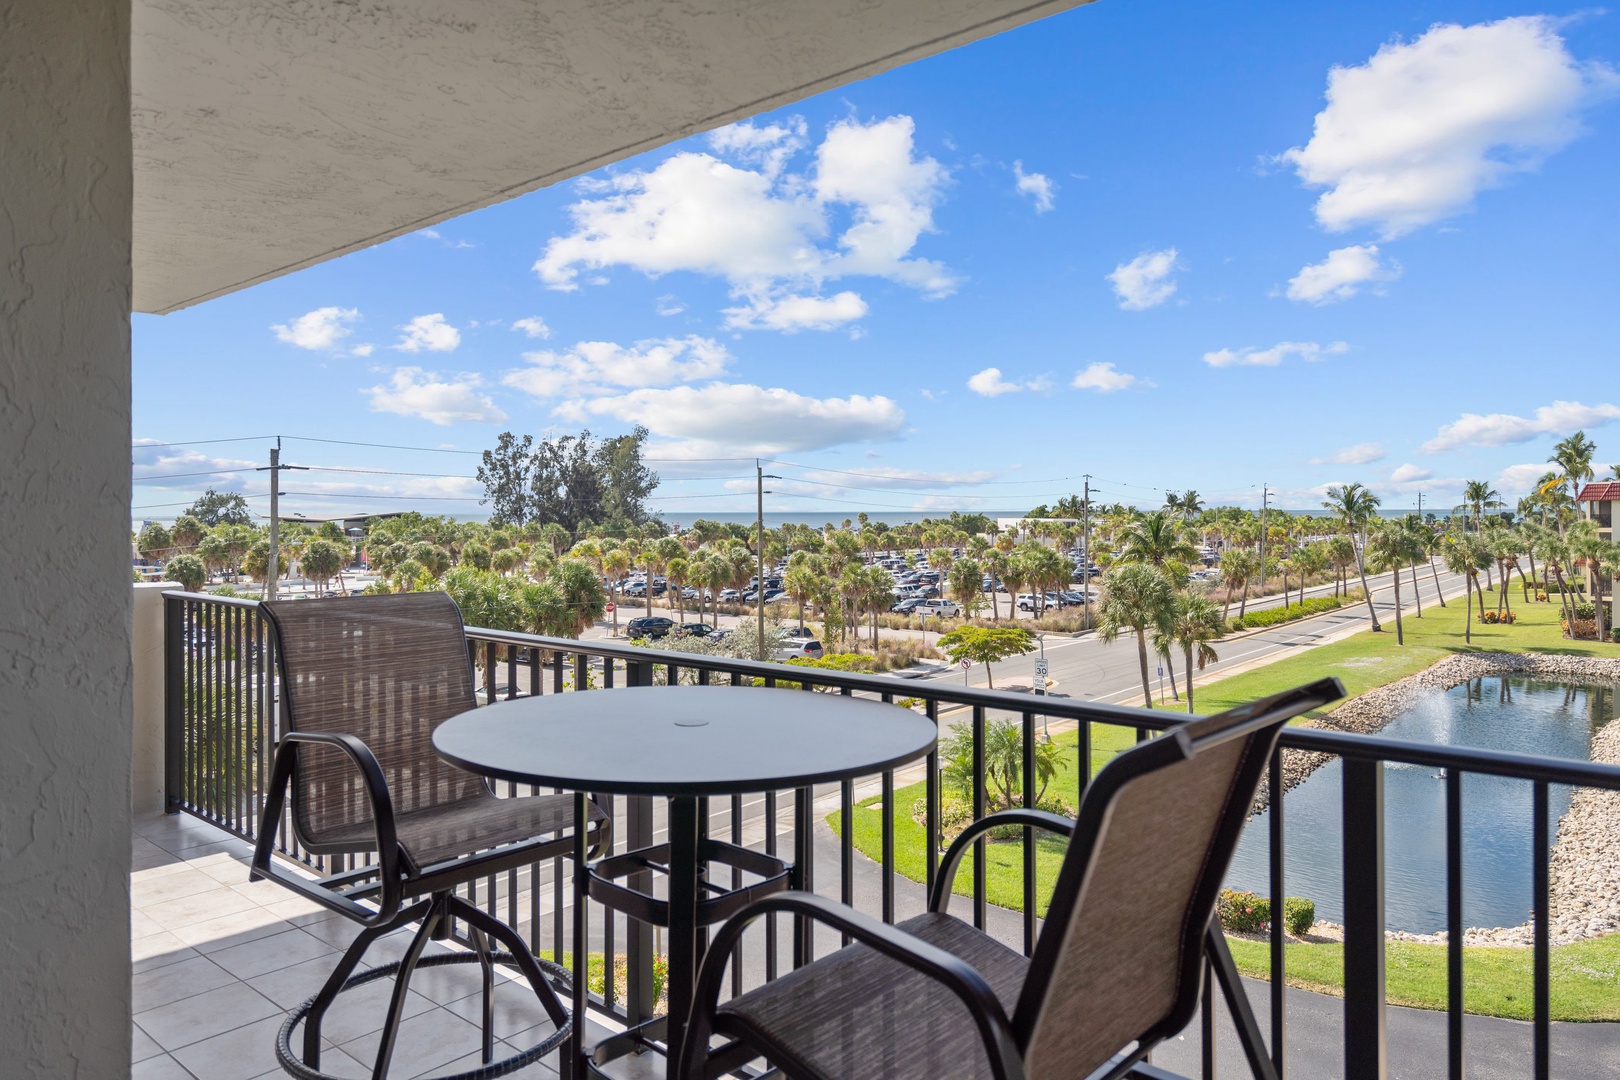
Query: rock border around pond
[[1585, 868]]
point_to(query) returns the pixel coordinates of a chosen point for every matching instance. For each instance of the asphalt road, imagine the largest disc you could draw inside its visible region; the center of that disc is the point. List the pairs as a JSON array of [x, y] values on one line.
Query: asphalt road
[[1088, 668]]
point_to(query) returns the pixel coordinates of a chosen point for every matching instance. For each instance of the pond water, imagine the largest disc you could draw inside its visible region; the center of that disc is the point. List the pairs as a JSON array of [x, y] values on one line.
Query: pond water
[[1510, 713]]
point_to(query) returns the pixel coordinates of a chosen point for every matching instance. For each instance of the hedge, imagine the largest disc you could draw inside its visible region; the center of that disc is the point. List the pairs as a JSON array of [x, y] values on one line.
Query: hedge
[[1247, 912], [1273, 616]]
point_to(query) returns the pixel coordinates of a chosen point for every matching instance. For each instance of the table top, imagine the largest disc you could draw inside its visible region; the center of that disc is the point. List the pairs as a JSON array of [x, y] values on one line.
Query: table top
[[683, 740]]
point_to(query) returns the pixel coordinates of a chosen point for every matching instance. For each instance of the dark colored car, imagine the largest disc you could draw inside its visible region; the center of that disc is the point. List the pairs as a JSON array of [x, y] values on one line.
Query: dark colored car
[[652, 627], [695, 629], [907, 606]]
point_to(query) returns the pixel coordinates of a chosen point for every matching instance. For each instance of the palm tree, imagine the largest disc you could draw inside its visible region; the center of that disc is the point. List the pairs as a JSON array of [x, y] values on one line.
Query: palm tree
[[1389, 547], [1157, 539], [1341, 553], [800, 579], [1354, 505], [1460, 560], [1193, 625], [1139, 598], [1573, 456], [1433, 543], [679, 573], [1586, 545], [615, 564], [582, 593], [1479, 496], [1238, 568]]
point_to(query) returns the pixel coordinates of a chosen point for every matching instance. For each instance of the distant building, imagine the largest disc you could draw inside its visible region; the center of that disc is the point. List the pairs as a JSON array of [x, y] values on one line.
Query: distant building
[[1601, 503], [350, 523]]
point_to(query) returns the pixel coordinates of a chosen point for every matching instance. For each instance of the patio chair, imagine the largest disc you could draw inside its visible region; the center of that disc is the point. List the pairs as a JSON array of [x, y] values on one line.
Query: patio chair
[[365, 681], [1117, 968]]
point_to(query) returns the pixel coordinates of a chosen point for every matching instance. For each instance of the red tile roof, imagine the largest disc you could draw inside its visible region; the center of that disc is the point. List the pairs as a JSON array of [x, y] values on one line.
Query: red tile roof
[[1599, 493]]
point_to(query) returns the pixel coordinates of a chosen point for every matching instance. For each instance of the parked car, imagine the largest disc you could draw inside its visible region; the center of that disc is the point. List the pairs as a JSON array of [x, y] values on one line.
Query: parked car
[[728, 596], [694, 629], [907, 605], [793, 648], [651, 627], [773, 595], [939, 607], [1026, 601]]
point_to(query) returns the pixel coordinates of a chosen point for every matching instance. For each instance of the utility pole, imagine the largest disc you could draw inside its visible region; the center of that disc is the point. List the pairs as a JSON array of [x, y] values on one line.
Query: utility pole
[[1265, 497], [273, 571], [1420, 508], [1085, 554], [759, 539]]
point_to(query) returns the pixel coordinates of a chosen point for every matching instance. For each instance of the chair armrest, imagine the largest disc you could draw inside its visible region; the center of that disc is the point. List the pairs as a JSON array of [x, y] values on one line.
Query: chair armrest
[[945, 879], [382, 817], [952, 972]]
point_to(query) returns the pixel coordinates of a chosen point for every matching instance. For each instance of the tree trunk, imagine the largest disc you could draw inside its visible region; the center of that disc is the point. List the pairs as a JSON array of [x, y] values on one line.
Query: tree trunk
[[1361, 569], [1170, 669], [1435, 570], [1243, 602], [1468, 619], [1189, 677], [1400, 637], [1596, 570], [1417, 596], [1141, 655], [613, 591]]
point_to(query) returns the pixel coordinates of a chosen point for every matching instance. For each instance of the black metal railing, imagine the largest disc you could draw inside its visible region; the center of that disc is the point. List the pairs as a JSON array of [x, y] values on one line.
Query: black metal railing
[[223, 721]]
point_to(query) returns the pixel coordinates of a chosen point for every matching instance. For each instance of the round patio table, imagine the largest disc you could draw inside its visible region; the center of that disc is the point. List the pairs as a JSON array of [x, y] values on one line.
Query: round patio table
[[683, 743]]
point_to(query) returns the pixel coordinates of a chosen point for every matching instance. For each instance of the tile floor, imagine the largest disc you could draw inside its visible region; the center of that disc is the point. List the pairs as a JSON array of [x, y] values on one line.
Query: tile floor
[[220, 961]]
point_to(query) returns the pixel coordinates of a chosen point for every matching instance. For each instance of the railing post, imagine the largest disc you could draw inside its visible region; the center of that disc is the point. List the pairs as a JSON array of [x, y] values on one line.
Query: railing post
[[638, 995], [1364, 1031], [174, 703]]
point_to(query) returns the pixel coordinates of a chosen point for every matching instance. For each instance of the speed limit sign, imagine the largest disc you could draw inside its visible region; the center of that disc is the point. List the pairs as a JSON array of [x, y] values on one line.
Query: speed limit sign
[[1040, 668]]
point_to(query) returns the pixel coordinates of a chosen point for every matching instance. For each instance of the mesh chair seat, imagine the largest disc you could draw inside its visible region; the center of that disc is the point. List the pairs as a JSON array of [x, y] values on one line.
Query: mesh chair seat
[[469, 825], [857, 1013]]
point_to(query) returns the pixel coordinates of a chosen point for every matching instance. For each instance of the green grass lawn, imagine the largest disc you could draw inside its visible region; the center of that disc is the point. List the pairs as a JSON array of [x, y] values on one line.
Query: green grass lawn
[[1586, 976], [1585, 982]]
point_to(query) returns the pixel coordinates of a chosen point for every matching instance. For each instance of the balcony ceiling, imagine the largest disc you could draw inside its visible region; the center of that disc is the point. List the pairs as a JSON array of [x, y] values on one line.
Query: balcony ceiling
[[270, 135]]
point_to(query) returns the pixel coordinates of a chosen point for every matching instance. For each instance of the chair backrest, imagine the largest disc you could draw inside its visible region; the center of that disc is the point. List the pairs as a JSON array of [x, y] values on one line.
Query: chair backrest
[[387, 670], [1119, 958]]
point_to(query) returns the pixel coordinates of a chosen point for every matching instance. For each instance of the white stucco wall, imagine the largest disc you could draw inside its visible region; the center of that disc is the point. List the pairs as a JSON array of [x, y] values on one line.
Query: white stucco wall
[[65, 183]]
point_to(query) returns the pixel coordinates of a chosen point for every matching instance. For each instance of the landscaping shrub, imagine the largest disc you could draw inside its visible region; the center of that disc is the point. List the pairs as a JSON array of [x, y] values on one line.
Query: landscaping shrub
[[1299, 915], [1243, 912], [1249, 913], [1273, 616], [957, 814], [1498, 617]]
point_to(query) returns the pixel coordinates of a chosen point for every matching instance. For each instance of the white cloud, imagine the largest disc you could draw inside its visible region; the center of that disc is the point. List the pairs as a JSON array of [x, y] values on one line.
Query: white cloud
[[603, 367], [743, 419], [533, 326], [989, 383], [1408, 474], [1499, 429], [667, 305], [426, 395], [1341, 275], [791, 313], [1038, 186], [1521, 479], [156, 462], [1360, 454], [770, 146], [1103, 379], [1249, 356], [430, 333], [1145, 281], [318, 329], [363, 350], [1412, 135], [766, 229]]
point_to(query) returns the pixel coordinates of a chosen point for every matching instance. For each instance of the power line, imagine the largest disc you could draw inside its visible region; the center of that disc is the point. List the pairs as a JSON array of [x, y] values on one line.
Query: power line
[[183, 475], [385, 446], [200, 442], [881, 476]]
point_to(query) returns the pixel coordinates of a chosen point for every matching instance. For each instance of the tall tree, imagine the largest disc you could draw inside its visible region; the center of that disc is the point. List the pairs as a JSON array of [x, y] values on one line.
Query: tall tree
[[1354, 505], [1159, 539], [1194, 624], [221, 508], [1138, 597], [1573, 456]]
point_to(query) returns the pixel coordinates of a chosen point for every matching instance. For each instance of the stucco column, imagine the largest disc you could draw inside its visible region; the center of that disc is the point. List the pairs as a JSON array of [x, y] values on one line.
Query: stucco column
[[65, 178], [146, 751]]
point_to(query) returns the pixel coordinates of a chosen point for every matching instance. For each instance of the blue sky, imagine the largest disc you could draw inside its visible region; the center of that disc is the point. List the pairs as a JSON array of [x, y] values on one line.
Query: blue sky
[[1199, 247]]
